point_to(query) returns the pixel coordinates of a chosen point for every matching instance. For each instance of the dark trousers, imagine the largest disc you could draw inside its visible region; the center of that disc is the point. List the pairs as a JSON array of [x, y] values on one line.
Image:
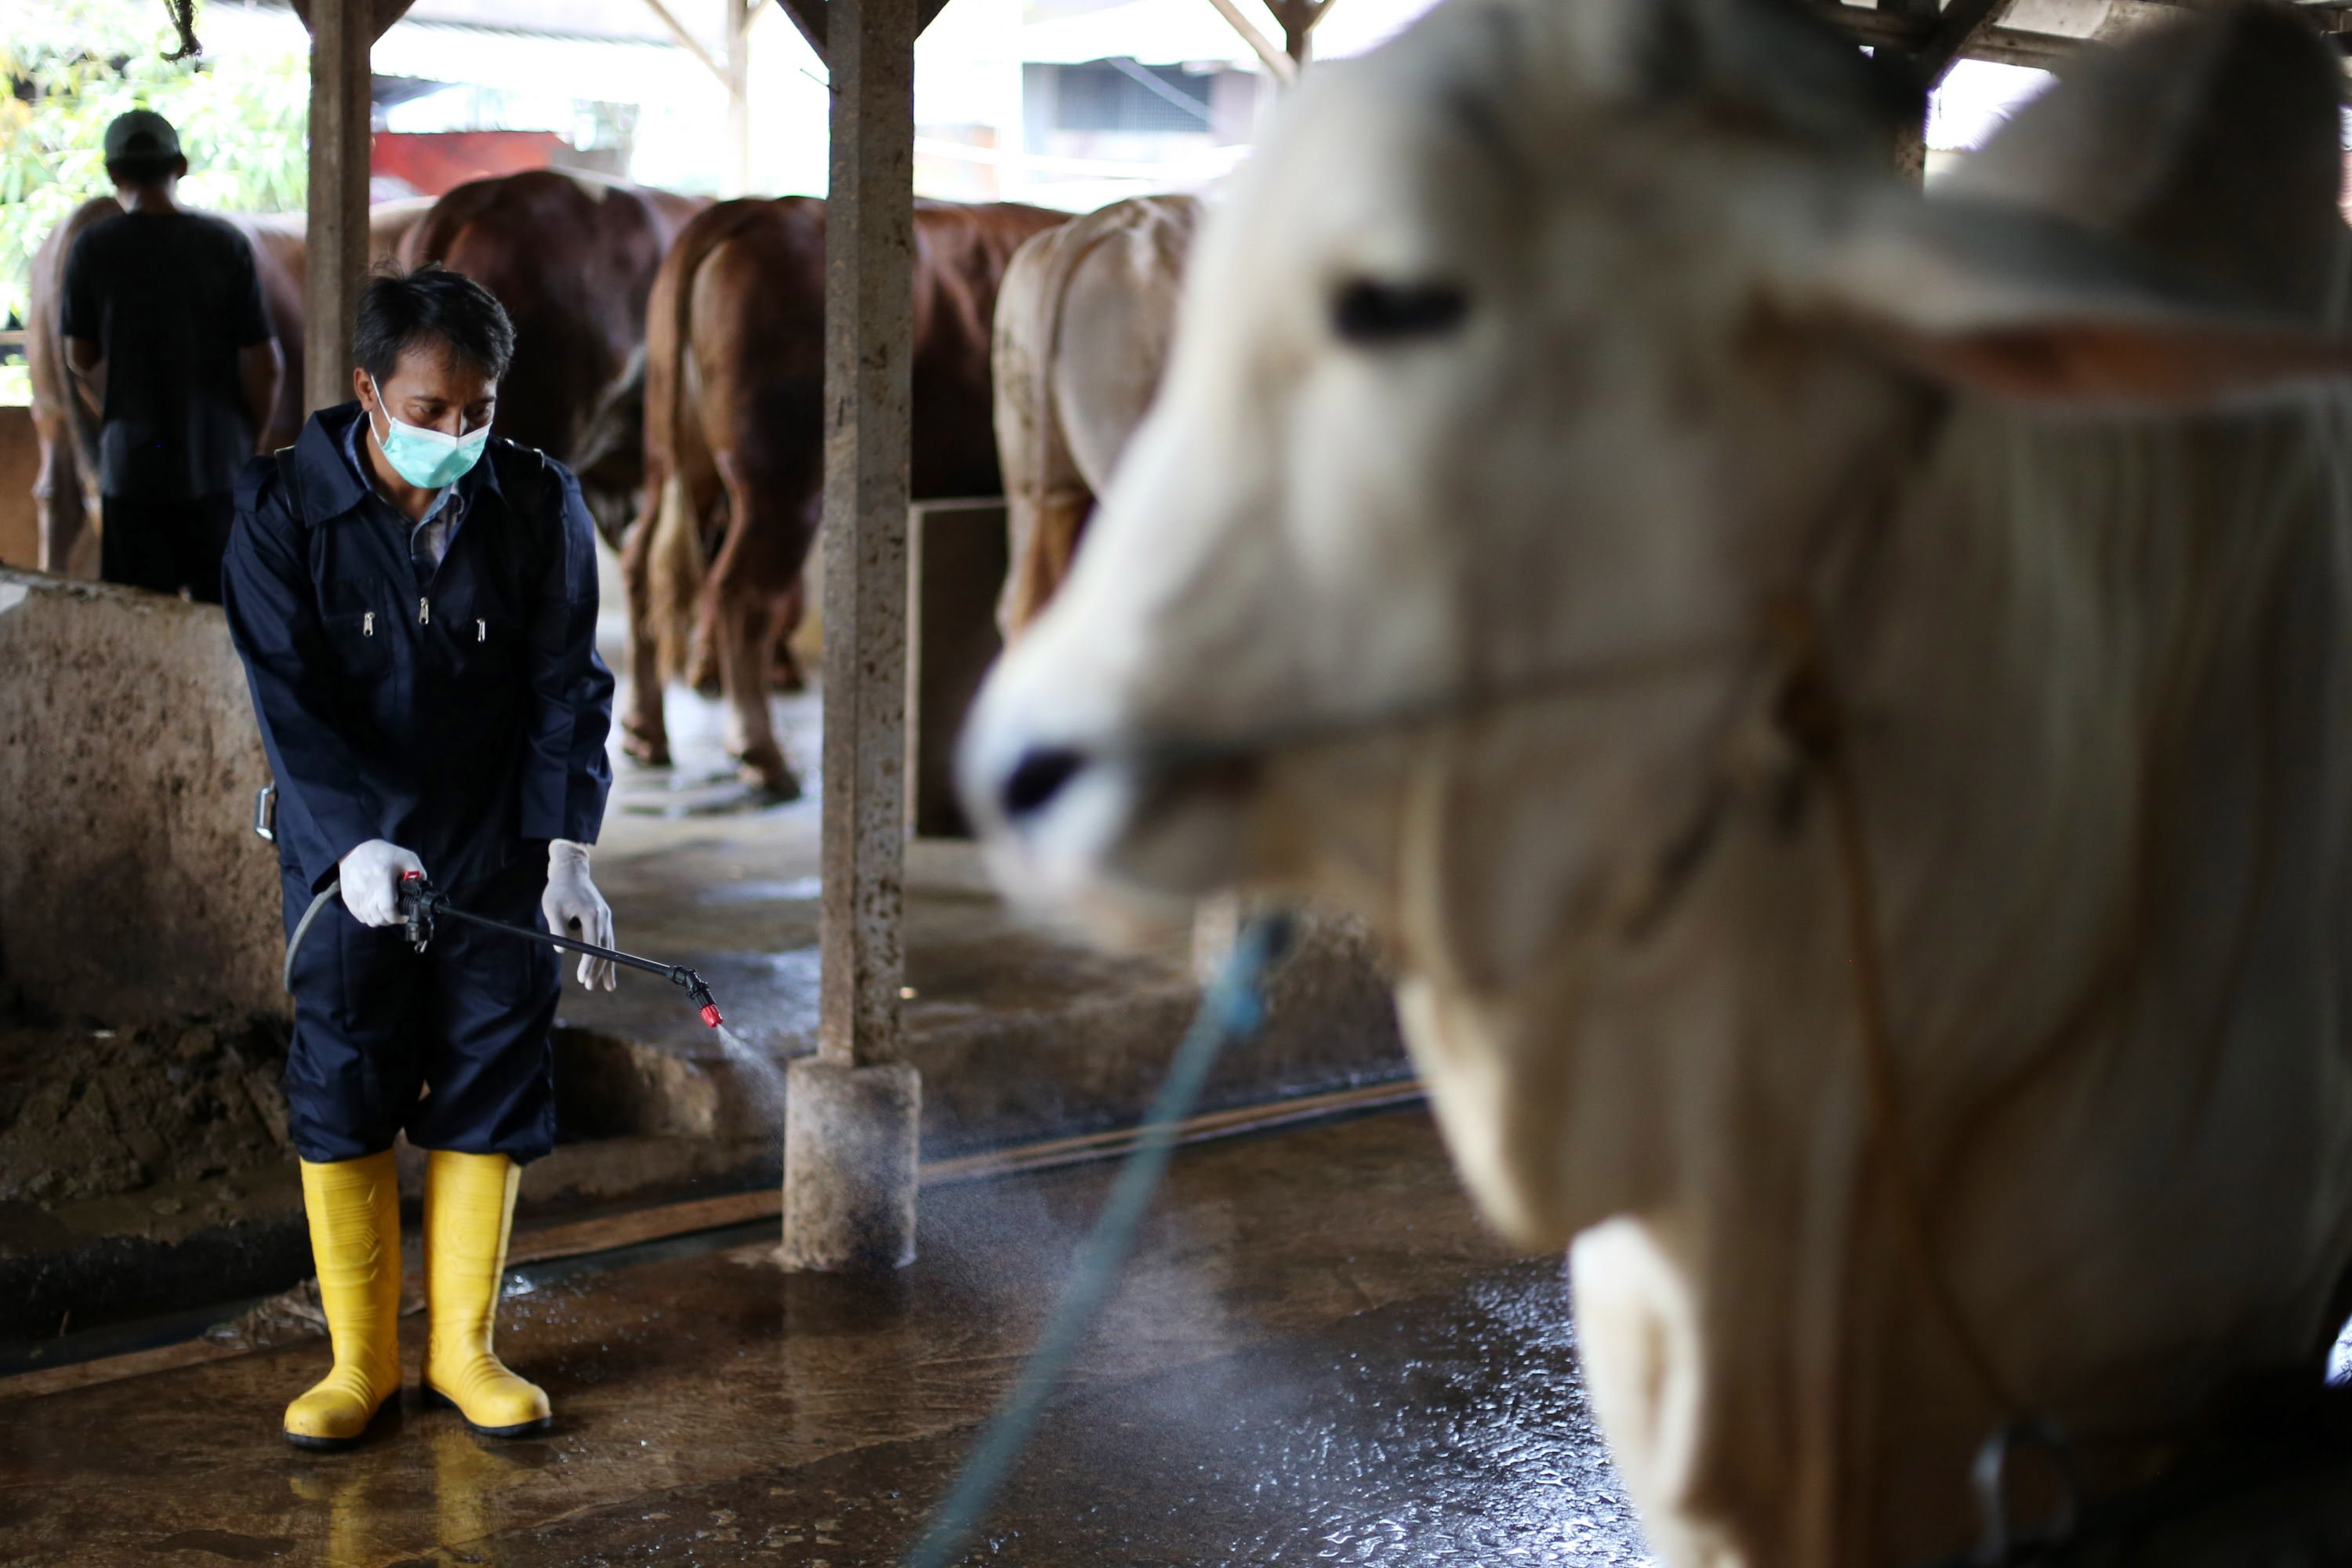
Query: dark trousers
[[164, 546], [449, 1045]]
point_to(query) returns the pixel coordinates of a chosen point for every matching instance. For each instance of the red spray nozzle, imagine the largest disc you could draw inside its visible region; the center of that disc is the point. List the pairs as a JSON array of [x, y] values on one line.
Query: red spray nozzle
[[699, 994]]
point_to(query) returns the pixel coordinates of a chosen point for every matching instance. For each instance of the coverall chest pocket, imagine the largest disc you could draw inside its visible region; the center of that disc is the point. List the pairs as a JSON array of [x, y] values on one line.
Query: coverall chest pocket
[[361, 644]]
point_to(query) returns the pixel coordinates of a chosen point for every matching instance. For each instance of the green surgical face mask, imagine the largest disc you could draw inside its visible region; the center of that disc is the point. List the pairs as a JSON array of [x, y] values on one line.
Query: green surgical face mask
[[426, 458]]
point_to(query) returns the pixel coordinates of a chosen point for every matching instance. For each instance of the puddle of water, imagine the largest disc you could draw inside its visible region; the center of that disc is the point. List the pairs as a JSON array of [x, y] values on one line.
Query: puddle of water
[[737, 800]]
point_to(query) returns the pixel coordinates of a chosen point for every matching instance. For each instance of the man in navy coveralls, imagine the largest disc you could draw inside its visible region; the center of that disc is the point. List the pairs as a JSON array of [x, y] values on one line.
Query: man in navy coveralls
[[416, 604]]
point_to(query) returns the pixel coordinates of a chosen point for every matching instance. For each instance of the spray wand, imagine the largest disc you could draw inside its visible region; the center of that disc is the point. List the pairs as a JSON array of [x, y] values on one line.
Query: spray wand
[[422, 905]]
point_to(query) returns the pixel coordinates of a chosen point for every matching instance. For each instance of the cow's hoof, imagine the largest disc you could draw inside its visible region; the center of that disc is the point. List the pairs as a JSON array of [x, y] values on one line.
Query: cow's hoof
[[647, 749], [787, 677], [765, 769]]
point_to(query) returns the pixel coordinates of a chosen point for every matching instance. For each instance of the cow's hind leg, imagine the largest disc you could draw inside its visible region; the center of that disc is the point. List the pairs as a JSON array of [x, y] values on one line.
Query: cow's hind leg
[[784, 672], [741, 628], [758, 561]]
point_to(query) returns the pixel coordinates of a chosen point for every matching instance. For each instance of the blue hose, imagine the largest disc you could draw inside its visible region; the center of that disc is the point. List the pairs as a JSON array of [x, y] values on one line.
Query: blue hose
[[1234, 1010]]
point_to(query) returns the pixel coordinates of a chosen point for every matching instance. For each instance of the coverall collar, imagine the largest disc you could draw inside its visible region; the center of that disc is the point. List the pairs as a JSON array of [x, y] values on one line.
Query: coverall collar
[[332, 485]]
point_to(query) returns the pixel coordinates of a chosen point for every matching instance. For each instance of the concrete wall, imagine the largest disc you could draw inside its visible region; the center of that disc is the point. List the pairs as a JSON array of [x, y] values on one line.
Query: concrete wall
[[20, 465], [132, 886]]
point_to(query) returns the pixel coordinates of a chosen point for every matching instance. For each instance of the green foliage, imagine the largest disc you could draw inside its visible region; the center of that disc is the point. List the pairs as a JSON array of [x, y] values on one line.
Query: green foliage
[[75, 64]]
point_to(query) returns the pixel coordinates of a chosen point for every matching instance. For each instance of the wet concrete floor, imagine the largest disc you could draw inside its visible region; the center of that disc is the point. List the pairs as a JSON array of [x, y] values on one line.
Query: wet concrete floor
[[1316, 1355]]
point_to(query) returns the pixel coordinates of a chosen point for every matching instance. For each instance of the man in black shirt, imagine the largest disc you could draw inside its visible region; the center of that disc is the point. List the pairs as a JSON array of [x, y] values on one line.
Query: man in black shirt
[[163, 327]]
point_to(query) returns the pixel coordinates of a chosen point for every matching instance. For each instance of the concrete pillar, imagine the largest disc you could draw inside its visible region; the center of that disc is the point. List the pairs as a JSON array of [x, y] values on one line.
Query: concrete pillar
[[1911, 152], [342, 34], [853, 1140], [1911, 140], [849, 1133]]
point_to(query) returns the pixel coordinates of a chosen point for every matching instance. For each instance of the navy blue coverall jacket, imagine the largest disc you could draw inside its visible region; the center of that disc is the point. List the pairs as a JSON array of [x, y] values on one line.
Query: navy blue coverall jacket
[[460, 711]]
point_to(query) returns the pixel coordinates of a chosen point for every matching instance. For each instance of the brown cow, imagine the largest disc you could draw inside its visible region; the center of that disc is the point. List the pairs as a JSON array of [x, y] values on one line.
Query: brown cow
[[573, 257], [1082, 330], [735, 427], [64, 487]]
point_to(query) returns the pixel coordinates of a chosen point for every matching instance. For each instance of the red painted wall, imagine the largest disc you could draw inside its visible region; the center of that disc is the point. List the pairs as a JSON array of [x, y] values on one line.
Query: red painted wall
[[436, 161]]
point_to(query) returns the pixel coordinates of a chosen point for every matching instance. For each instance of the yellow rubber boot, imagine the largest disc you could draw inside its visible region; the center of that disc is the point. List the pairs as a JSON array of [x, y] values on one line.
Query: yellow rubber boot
[[354, 1211], [469, 1209]]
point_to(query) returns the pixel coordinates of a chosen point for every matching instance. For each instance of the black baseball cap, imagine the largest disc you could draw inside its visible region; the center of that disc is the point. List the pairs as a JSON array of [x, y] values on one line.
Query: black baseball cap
[[142, 134]]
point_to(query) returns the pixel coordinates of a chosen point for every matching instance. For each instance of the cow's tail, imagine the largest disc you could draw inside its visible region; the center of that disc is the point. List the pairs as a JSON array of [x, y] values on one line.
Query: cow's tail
[[84, 425], [1051, 510], [678, 561], [676, 557]]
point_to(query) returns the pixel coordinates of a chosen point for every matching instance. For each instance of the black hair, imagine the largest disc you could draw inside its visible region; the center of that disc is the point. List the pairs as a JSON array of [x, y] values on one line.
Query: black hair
[[143, 168], [431, 308]]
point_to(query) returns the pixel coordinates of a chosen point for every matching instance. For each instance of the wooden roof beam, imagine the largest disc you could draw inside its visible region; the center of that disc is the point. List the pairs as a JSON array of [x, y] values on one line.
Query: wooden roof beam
[[687, 41], [1923, 36], [1284, 67], [1956, 27]]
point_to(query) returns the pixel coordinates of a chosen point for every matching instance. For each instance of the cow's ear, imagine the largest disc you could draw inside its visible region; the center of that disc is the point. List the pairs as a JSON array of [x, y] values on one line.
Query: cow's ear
[[2022, 306]]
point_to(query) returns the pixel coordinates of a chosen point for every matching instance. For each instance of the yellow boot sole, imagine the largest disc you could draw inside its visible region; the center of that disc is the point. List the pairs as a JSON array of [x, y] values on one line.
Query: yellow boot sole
[[437, 1400], [386, 1415]]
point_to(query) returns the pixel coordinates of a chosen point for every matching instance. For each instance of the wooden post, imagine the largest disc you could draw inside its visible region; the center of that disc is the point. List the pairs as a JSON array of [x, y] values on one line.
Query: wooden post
[[739, 97], [851, 1119], [1911, 152], [342, 34], [1910, 149], [1298, 20]]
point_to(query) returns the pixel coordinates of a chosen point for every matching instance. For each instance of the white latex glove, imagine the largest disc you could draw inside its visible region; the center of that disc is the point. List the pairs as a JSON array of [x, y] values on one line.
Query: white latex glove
[[370, 875], [572, 899]]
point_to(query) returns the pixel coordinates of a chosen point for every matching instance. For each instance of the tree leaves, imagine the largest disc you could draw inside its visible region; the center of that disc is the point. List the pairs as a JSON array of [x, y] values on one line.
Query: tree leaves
[[72, 65]]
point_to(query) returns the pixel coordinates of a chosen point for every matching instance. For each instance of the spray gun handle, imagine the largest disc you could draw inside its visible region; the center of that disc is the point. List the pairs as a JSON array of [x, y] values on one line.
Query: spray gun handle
[[416, 908]]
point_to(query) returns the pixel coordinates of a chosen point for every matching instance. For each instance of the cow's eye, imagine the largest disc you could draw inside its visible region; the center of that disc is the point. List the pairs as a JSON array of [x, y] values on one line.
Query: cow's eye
[[1371, 313]]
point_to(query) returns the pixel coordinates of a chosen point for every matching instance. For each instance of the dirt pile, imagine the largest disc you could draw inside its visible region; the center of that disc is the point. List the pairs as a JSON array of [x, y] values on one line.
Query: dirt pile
[[92, 1112]]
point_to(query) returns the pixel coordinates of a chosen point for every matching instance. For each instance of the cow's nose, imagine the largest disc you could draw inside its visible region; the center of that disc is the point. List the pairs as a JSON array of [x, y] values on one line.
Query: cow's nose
[[1037, 778]]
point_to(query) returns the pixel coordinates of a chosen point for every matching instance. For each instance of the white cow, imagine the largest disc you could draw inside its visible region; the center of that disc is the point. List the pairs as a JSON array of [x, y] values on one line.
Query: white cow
[[1083, 324], [1842, 700]]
